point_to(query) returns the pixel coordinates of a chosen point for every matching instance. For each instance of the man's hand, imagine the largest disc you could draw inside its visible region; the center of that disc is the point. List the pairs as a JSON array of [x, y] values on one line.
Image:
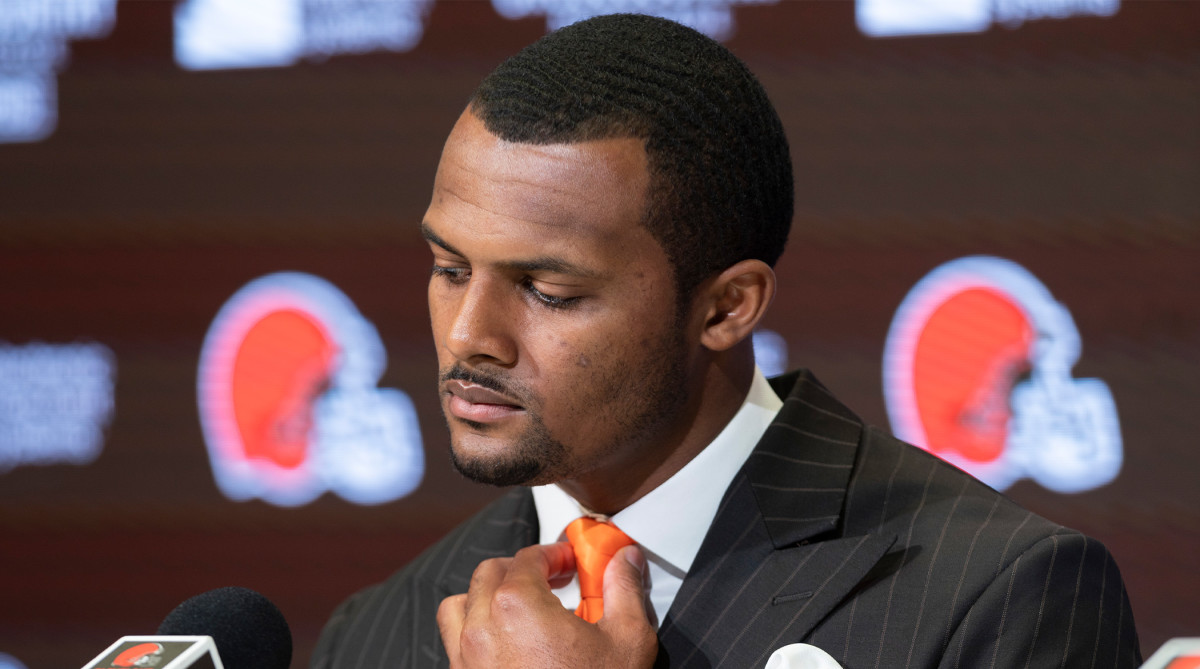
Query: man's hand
[[510, 618]]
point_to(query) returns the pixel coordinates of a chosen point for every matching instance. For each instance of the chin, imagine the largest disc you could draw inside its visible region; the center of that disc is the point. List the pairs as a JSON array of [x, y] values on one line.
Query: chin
[[498, 470], [532, 458]]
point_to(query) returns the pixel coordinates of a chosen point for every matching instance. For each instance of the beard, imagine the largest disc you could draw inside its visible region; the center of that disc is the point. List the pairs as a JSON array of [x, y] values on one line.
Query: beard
[[532, 455], [647, 396]]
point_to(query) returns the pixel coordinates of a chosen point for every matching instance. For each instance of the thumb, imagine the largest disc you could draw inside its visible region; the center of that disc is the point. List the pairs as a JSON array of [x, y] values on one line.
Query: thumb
[[627, 589]]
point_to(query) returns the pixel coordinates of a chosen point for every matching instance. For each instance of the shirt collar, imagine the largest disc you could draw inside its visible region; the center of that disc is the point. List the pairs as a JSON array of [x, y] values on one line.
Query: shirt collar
[[672, 520]]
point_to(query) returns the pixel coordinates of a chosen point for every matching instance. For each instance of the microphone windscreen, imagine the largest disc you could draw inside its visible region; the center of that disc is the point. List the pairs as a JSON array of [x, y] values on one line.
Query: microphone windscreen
[[248, 630]]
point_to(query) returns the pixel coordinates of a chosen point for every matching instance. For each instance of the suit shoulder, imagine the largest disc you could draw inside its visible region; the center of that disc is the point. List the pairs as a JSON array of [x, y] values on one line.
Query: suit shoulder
[[973, 576], [1061, 601], [893, 479], [942, 517], [395, 621]]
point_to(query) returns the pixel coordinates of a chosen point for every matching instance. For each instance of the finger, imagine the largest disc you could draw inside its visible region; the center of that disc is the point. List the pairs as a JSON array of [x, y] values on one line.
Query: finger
[[487, 577], [451, 615], [627, 589], [543, 565], [628, 618], [562, 566]]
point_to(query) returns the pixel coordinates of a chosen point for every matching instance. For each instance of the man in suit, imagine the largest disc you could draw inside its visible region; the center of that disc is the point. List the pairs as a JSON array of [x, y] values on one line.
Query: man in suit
[[604, 221]]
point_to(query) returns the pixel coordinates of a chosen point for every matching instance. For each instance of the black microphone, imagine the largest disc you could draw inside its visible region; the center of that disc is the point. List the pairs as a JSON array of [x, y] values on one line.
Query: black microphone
[[226, 628], [250, 631]]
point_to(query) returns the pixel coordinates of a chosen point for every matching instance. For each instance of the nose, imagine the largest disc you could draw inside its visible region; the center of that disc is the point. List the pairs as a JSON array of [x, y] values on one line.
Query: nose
[[480, 325]]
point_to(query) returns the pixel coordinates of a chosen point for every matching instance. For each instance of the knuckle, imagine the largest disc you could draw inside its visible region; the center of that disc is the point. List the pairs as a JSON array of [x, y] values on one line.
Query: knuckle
[[476, 641], [527, 552], [488, 569], [508, 599]]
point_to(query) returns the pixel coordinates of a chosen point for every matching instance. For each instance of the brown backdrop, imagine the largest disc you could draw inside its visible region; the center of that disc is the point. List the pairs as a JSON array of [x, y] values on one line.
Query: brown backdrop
[[1071, 146]]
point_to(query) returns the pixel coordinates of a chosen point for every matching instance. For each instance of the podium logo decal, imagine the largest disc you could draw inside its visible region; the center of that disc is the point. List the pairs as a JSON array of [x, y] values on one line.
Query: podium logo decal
[[289, 404], [977, 369], [142, 655]]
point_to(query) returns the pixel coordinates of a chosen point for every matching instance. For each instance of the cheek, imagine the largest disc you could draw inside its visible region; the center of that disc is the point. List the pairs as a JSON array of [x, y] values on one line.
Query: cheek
[[600, 370], [578, 360], [576, 357], [573, 360], [440, 314]]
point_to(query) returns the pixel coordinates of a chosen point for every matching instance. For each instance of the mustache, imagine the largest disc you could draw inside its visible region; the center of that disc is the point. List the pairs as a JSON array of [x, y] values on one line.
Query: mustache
[[492, 382]]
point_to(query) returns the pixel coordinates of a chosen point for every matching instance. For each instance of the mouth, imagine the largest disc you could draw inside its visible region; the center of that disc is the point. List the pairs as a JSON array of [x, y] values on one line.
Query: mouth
[[474, 403]]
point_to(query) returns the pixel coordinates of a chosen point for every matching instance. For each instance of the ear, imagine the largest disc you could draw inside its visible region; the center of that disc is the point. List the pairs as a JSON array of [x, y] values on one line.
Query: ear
[[734, 302]]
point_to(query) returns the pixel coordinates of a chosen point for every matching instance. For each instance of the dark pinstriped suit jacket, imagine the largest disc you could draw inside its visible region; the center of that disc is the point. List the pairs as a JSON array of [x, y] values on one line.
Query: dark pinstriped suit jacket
[[832, 534]]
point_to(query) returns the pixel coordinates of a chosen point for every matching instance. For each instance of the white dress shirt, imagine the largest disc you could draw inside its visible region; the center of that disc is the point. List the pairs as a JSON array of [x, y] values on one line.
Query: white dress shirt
[[670, 522]]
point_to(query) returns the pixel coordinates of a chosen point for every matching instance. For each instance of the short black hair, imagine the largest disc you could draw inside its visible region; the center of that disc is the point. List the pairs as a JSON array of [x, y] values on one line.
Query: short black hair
[[720, 171]]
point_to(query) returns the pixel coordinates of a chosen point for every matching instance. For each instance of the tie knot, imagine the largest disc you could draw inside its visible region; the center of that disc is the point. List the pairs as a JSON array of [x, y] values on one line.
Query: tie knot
[[594, 543], [591, 535]]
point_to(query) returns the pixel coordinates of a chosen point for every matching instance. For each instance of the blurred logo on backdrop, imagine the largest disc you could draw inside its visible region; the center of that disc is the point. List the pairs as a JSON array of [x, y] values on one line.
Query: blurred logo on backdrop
[[289, 404], [33, 46], [711, 17], [894, 18], [977, 370], [770, 352], [218, 34], [55, 401], [222, 34]]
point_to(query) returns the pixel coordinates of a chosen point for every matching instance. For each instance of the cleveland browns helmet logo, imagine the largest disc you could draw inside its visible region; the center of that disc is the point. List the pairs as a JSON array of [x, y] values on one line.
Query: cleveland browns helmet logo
[[289, 404], [977, 369]]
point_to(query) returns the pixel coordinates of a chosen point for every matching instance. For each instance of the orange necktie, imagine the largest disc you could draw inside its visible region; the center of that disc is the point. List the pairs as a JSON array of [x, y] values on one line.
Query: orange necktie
[[594, 543]]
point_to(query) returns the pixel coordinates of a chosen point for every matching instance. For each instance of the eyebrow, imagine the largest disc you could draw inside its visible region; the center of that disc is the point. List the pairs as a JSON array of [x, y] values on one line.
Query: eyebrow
[[536, 264], [433, 238]]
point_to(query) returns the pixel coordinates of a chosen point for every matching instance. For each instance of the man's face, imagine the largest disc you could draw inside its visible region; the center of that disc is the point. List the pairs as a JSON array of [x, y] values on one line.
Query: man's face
[[553, 311]]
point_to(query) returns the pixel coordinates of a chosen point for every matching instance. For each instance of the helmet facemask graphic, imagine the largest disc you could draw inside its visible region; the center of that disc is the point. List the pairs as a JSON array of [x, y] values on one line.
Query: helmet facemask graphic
[[977, 369], [289, 403]]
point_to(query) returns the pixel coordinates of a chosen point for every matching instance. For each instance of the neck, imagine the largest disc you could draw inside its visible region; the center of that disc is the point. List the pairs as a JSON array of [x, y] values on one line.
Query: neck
[[716, 396]]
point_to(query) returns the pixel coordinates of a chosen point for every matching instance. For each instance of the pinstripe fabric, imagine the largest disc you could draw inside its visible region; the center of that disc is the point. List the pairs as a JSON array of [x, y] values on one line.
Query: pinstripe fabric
[[394, 624], [832, 534]]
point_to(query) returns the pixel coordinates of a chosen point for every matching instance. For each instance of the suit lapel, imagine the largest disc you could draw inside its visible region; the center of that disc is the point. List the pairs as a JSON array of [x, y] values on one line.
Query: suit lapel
[[772, 565], [506, 527]]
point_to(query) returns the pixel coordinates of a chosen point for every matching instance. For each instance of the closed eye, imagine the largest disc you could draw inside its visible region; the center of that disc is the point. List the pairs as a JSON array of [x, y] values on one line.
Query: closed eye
[[453, 275], [552, 301], [456, 276]]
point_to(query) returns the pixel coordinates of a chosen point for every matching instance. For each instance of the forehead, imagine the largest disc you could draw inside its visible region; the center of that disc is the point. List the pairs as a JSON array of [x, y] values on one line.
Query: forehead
[[590, 192]]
